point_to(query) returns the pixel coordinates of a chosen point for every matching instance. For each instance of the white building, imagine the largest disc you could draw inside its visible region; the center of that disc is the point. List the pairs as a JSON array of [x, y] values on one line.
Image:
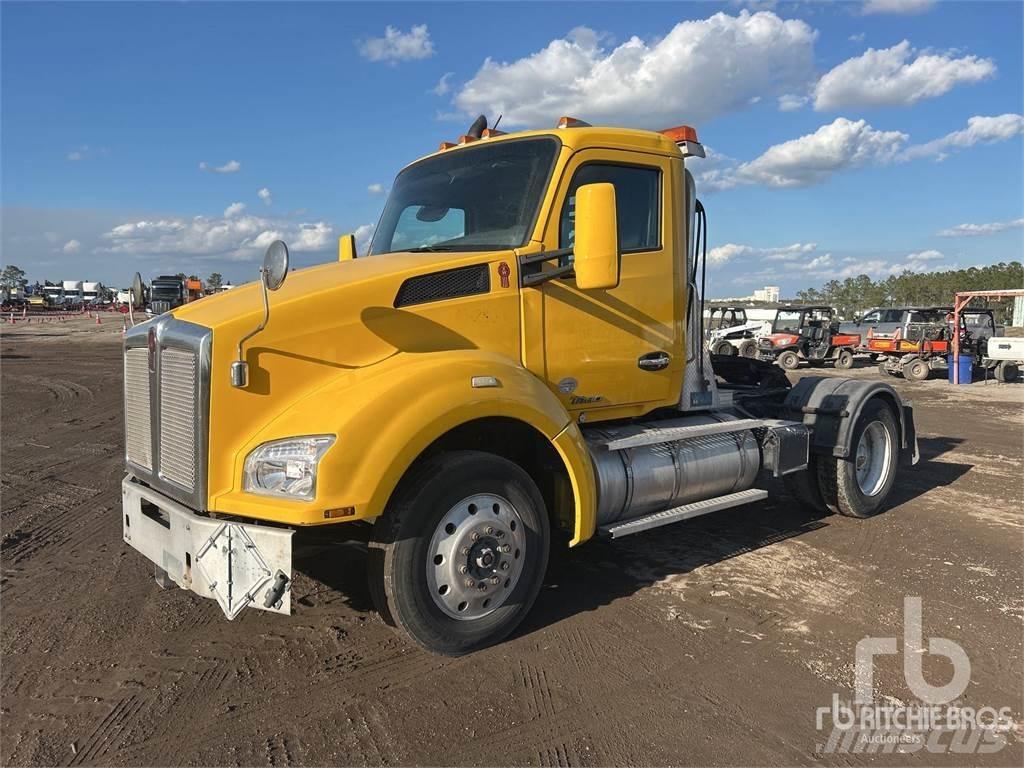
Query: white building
[[770, 293]]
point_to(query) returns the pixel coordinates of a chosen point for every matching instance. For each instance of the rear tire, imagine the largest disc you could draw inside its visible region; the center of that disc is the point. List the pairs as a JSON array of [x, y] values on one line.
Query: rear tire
[[844, 360], [789, 360], [1007, 371], [426, 536], [916, 370], [858, 486], [748, 348], [724, 348]]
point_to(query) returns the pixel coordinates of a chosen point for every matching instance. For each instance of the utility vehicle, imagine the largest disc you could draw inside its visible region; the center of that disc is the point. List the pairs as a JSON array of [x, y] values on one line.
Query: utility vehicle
[[730, 332], [807, 333]]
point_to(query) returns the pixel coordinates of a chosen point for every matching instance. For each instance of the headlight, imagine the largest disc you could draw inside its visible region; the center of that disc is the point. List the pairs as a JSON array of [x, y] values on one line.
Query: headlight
[[286, 467]]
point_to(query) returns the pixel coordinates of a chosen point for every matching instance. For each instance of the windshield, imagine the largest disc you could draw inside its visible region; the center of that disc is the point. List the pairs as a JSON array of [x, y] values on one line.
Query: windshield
[[478, 199], [787, 321]]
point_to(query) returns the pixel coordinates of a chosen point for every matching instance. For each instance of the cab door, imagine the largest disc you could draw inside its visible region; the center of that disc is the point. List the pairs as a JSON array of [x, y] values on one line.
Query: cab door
[[618, 351]]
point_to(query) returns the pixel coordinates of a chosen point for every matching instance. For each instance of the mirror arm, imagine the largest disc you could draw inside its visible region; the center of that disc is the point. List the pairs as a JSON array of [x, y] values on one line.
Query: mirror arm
[[531, 277], [240, 368]]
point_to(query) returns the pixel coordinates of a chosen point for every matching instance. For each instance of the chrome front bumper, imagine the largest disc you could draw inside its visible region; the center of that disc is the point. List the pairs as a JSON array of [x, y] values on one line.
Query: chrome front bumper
[[238, 565]]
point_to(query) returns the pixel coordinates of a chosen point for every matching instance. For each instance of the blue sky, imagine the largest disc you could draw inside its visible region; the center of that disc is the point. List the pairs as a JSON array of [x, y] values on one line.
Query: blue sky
[[132, 131]]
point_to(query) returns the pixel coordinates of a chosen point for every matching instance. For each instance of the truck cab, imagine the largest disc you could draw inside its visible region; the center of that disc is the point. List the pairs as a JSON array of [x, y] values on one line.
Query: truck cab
[[515, 364]]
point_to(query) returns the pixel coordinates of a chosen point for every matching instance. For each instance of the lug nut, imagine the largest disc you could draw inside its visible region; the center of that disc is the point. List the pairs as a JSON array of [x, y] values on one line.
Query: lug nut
[[494, 579], [489, 530], [463, 569], [475, 536], [481, 586], [465, 550], [504, 566], [470, 582], [499, 534], [505, 548]]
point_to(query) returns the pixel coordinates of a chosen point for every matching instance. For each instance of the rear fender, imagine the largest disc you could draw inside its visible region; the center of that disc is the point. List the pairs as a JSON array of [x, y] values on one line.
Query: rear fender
[[830, 406]]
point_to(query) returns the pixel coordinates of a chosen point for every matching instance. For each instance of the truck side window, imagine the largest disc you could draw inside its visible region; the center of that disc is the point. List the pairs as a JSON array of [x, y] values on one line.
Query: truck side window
[[636, 198], [870, 317]]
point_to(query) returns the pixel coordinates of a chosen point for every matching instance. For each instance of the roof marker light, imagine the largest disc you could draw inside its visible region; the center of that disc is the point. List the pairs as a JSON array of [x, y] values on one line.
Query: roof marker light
[[572, 122], [466, 138], [446, 145], [685, 137], [490, 133]]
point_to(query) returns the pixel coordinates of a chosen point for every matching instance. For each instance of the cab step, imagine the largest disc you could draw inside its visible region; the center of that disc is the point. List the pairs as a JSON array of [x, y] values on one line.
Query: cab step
[[685, 512], [670, 434]]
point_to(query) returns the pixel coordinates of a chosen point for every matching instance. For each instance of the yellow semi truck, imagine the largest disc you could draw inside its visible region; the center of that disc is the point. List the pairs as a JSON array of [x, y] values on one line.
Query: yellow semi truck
[[517, 363]]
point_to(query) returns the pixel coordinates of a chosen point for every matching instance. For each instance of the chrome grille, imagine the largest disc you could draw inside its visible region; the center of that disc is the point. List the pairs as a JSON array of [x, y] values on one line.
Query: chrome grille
[[137, 430], [178, 387]]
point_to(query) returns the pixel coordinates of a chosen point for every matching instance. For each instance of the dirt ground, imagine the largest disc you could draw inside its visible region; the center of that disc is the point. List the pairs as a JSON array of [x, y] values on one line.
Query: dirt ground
[[708, 642]]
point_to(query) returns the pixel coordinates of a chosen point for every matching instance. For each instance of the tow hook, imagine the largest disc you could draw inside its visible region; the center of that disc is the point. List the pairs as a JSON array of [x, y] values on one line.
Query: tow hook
[[273, 597]]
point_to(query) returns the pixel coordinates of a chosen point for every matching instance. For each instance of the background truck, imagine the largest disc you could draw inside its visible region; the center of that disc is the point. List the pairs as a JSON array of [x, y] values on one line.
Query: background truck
[[518, 366], [166, 292], [924, 343]]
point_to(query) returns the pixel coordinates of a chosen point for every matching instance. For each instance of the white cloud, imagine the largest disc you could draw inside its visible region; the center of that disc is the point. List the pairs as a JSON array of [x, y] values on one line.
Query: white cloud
[[444, 84], [979, 130], [265, 196], [697, 71], [857, 38], [976, 230], [896, 7], [789, 102], [76, 155], [233, 210], [398, 46], [364, 234], [238, 237], [231, 166], [72, 246], [85, 152], [723, 254], [888, 77], [375, 189], [923, 261], [813, 158]]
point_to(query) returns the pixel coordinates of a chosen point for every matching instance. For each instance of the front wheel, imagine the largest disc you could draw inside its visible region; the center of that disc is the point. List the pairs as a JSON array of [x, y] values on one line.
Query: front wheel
[[789, 360], [724, 348], [1007, 371], [858, 485], [916, 370], [748, 348], [458, 558]]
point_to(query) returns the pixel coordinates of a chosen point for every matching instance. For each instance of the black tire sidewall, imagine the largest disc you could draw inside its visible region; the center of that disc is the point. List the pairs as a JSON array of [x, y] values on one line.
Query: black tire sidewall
[[844, 359], [748, 349], [851, 500], [417, 514], [789, 355]]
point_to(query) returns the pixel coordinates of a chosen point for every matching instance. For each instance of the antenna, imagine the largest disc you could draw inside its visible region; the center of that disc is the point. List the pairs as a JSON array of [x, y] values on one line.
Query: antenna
[[495, 126]]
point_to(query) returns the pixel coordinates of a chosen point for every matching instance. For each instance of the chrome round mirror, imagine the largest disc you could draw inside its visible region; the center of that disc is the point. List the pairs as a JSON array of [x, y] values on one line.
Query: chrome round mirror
[[137, 294], [275, 265]]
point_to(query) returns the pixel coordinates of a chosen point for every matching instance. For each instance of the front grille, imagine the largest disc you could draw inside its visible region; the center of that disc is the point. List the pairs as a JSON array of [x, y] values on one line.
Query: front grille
[[138, 436], [167, 405], [178, 387]]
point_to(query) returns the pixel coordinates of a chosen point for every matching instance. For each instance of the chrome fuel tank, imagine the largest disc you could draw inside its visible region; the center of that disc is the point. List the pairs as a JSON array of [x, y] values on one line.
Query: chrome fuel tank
[[650, 478]]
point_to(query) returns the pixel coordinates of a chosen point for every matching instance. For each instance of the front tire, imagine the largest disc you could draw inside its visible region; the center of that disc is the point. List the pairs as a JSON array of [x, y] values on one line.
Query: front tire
[[724, 348], [916, 370], [1007, 371], [748, 348], [789, 360], [461, 517], [858, 486]]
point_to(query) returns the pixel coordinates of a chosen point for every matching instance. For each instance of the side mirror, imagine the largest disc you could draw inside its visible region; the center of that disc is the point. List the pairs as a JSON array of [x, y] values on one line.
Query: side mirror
[[346, 247], [275, 265], [596, 250]]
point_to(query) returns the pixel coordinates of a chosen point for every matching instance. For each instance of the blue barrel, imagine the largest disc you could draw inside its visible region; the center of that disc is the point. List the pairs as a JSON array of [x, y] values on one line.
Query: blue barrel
[[966, 368]]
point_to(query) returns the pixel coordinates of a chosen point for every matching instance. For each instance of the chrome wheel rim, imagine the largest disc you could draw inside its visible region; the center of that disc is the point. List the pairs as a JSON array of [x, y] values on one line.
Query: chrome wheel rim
[[475, 557], [873, 458]]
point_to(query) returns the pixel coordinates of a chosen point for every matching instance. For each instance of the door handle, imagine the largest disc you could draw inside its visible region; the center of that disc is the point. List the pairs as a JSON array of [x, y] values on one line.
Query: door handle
[[653, 361]]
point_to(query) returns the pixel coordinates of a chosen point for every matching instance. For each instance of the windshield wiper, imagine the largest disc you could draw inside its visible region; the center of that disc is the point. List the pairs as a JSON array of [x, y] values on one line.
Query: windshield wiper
[[430, 249]]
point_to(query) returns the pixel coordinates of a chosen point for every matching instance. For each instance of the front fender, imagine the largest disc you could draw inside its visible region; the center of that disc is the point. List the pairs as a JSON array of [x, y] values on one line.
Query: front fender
[[387, 414]]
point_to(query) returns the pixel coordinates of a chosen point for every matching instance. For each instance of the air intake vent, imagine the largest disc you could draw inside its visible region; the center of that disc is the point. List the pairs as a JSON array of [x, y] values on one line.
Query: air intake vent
[[138, 433], [449, 284]]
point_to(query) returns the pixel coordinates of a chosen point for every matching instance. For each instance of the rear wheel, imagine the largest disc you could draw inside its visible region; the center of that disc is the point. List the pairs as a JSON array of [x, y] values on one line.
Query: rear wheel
[[458, 558], [916, 370], [844, 360], [789, 360], [1007, 371], [748, 348], [723, 348], [858, 485]]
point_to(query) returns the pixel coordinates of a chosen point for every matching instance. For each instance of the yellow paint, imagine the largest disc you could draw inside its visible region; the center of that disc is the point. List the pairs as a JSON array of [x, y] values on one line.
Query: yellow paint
[[338, 358], [346, 247]]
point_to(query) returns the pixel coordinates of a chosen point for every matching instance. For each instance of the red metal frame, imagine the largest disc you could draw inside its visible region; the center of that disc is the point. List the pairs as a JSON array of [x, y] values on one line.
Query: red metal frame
[[960, 302]]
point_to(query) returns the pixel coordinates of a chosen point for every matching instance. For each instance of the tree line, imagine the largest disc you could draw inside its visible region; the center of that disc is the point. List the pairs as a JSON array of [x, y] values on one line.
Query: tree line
[[854, 295]]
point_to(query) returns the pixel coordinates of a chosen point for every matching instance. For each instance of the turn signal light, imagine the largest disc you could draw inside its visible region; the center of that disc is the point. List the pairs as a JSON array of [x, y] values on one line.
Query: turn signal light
[[681, 133], [331, 514]]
